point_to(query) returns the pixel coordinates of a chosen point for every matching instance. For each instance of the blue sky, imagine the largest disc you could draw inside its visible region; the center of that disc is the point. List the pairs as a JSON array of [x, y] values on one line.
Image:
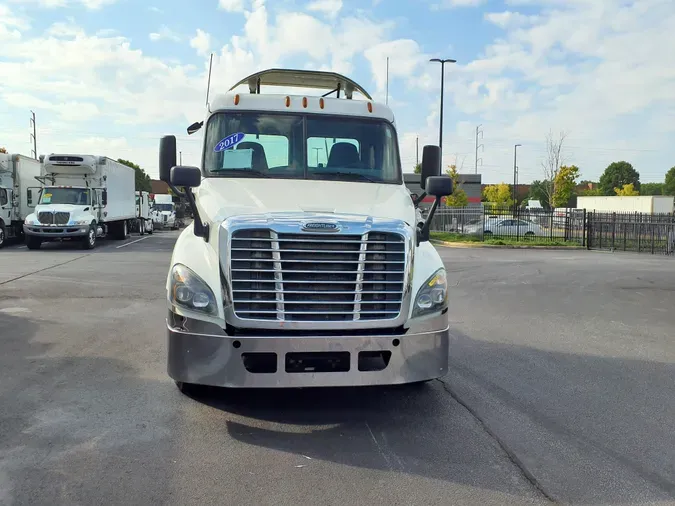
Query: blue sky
[[111, 76]]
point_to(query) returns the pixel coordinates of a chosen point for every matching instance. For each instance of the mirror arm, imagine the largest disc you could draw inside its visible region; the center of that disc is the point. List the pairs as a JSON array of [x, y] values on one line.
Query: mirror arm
[[420, 199], [201, 229], [176, 191], [423, 232]]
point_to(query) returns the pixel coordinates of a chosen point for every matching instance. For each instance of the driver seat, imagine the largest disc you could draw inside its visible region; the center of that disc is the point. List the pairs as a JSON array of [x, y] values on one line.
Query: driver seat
[[259, 159], [342, 154]]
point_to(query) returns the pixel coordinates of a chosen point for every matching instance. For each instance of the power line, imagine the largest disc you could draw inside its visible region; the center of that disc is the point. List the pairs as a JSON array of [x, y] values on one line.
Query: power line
[[478, 131]]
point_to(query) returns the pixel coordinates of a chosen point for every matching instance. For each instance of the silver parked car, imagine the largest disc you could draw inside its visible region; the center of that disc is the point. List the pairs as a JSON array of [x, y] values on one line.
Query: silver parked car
[[509, 227]]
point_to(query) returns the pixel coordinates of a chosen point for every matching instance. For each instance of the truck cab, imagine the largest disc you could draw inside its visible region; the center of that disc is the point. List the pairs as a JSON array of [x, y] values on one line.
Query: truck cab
[[164, 211], [305, 264]]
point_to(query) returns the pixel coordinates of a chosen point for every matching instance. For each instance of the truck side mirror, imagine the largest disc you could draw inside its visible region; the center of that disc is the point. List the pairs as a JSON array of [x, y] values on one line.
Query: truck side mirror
[[439, 186], [167, 157], [431, 164], [187, 177], [104, 198]]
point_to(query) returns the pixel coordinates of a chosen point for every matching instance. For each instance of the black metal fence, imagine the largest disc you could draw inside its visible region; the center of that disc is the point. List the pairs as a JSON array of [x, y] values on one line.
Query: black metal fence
[[642, 233], [503, 223]]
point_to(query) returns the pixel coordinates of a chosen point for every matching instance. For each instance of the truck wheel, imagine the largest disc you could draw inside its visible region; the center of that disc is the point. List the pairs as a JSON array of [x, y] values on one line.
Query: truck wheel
[[151, 227], [33, 242], [2, 235], [89, 241], [141, 226]]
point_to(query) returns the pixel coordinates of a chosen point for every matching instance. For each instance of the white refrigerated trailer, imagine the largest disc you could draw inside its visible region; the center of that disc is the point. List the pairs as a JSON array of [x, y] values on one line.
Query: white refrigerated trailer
[[84, 197], [18, 193]]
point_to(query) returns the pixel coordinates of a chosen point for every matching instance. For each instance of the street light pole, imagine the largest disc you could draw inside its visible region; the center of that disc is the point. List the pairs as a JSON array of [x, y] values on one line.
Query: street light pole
[[515, 172], [440, 132]]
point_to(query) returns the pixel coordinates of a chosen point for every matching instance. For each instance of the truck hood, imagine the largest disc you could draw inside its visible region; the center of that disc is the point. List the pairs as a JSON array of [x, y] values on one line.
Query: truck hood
[[221, 198], [61, 208]]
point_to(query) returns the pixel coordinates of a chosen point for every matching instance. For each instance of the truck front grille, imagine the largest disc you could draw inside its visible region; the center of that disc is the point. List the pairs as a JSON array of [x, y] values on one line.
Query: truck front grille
[[61, 218], [46, 218], [317, 277]]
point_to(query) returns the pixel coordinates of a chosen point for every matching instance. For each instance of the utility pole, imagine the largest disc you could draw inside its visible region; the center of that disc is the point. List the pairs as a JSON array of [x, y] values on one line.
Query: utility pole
[[34, 135], [515, 173], [386, 100], [440, 133], [478, 132], [417, 151], [317, 155]]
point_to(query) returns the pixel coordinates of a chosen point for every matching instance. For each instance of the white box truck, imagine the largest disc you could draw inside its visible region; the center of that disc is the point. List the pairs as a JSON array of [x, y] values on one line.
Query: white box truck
[[647, 204], [84, 197], [164, 211], [305, 264], [143, 223], [18, 193]]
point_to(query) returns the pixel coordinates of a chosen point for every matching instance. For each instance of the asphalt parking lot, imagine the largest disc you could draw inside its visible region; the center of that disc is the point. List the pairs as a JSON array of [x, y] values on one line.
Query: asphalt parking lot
[[561, 388]]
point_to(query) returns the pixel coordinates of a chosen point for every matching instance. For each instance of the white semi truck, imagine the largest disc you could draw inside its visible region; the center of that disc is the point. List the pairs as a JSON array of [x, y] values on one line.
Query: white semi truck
[[18, 193], [143, 224], [305, 264], [84, 197], [164, 211]]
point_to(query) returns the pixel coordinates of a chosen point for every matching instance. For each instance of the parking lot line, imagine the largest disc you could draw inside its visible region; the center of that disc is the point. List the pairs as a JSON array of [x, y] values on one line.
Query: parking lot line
[[132, 242]]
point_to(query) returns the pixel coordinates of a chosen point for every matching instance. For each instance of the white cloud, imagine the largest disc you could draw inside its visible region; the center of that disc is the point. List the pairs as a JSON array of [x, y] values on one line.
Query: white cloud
[[330, 8], [231, 5], [508, 19], [152, 8], [201, 42], [52, 4], [164, 33]]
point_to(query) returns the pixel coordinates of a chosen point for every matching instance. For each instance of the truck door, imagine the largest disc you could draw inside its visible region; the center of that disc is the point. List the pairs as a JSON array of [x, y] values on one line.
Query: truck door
[[96, 204], [6, 204]]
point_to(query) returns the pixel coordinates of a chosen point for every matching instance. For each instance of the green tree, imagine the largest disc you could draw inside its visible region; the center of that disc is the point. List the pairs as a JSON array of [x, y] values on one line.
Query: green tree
[[651, 189], [618, 174], [628, 190], [418, 168], [563, 185], [458, 197], [499, 194], [669, 185], [3, 150], [142, 179], [591, 192]]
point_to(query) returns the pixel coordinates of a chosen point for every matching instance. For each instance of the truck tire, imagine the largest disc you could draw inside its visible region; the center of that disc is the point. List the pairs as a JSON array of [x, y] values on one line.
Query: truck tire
[[3, 235], [33, 242], [120, 230], [141, 226], [89, 242], [151, 226]]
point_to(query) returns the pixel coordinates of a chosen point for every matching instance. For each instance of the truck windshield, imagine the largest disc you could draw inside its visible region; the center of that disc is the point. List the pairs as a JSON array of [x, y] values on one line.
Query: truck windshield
[[73, 196], [292, 146]]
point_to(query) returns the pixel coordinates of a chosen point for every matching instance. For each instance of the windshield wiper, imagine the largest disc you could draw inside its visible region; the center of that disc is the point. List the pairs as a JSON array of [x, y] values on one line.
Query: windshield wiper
[[242, 171], [347, 175]]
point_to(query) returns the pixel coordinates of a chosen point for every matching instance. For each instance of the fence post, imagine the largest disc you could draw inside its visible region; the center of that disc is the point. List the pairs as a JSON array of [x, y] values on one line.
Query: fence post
[[584, 231], [613, 231]]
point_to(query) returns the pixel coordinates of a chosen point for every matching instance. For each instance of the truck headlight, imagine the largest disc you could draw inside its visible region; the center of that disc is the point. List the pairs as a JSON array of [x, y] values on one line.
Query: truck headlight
[[80, 222], [189, 291], [29, 221], [433, 295]]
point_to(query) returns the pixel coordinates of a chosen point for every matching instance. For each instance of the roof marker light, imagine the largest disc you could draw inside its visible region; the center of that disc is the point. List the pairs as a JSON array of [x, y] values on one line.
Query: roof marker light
[[236, 99], [321, 103], [288, 101], [304, 102], [370, 107]]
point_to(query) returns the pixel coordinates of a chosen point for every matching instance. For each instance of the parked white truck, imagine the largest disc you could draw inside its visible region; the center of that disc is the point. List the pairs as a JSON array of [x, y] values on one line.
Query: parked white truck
[[164, 211], [84, 197], [18, 193], [304, 265], [143, 223]]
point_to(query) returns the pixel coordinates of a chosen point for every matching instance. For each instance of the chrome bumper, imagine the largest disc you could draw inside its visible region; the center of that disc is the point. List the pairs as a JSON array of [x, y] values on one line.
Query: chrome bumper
[[204, 354], [57, 231]]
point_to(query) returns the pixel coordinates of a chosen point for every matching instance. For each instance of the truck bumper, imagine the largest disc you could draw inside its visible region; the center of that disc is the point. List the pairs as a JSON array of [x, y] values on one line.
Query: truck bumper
[[56, 232], [202, 353]]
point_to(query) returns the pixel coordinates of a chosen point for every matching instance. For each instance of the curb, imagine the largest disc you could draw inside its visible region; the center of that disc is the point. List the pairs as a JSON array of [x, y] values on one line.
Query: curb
[[501, 246]]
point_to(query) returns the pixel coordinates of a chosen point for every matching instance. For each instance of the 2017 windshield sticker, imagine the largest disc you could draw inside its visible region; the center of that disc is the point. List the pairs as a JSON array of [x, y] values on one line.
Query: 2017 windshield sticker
[[47, 198], [229, 142]]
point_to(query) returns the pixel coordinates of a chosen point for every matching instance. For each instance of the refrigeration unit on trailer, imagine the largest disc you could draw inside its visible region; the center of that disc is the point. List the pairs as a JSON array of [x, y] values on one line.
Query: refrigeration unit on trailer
[[83, 198], [18, 193], [304, 265], [143, 223]]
